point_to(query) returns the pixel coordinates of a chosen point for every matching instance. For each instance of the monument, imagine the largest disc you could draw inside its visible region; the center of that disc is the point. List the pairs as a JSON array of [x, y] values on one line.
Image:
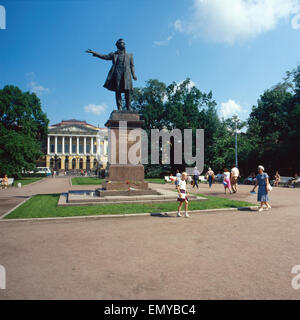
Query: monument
[[122, 175], [125, 181], [119, 77]]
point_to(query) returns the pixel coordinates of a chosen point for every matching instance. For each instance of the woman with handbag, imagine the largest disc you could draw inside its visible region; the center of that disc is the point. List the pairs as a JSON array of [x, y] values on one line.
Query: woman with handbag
[[262, 181]]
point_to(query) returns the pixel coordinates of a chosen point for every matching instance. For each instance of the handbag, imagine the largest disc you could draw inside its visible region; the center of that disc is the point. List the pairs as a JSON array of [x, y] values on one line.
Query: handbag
[[270, 188]]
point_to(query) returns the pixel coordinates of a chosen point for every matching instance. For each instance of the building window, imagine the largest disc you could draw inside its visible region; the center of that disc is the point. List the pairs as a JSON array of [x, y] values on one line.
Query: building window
[[74, 148], [59, 148], [66, 148], [80, 145], [88, 147], [52, 150]]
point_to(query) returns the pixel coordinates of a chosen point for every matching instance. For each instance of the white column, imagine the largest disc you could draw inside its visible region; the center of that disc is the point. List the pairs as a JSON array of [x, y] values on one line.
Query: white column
[[63, 145], [98, 146], [92, 146], [84, 145], [48, 145], [55, 146], [77, 146], [105, 147], [70, 145]]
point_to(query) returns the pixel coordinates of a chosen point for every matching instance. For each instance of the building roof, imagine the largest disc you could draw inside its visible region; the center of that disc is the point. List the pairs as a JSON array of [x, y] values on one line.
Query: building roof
[[74, 122]]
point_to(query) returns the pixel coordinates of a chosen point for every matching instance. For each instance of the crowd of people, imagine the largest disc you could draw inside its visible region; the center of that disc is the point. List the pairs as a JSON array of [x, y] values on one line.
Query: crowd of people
[[230, 182]]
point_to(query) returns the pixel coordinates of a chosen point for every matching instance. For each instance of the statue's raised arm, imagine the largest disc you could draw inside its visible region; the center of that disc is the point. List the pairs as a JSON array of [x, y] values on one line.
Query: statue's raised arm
[[99, 55]]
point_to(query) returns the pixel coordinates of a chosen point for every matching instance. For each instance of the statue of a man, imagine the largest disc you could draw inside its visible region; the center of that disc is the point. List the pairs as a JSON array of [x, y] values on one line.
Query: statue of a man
[[119, 76]]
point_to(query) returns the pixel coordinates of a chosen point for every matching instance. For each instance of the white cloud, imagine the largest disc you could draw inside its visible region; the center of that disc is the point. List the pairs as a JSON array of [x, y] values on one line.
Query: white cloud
[[235, 20], [95, 109], [230, 108], [178, 25], [163, 42], [34, 86], [37, 88]]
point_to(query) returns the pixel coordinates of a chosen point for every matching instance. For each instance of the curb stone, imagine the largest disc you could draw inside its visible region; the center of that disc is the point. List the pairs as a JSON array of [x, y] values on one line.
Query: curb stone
[[252, 208]]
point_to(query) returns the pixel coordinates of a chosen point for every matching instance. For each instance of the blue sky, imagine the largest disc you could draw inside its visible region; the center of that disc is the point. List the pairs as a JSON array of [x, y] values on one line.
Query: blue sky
[[236, 48]]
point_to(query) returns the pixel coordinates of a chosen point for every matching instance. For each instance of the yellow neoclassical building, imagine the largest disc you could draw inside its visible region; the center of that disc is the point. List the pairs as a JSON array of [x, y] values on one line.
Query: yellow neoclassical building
[[75, 145]]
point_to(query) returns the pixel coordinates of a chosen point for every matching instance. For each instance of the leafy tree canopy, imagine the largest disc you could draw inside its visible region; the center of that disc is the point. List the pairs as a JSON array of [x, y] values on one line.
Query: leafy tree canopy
[[23, 127]]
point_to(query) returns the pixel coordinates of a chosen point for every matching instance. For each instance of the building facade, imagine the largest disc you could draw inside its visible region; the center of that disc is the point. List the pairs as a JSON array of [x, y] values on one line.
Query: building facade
[[76, 145]]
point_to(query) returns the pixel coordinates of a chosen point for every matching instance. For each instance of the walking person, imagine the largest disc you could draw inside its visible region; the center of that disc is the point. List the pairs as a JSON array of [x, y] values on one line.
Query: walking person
[[262, 181], [178, 177], [234, 175], [196, 175], [183, 195], [226, 181], [210, 176]]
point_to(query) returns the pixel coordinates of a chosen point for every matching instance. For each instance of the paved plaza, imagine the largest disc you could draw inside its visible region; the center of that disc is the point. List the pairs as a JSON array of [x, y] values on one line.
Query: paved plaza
[[217, 255]]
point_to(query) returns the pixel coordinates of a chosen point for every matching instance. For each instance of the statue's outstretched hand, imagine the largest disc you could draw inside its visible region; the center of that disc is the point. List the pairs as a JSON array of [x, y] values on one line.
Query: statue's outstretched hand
[[134, 78], [89, 51]]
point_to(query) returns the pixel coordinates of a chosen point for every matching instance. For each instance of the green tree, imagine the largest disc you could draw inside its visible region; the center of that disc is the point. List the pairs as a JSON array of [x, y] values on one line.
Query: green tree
[[177, 106], [270, 127], [23, 128], [224, 145]]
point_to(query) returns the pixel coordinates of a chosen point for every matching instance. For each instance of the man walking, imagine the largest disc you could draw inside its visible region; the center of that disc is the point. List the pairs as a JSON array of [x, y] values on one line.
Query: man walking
[[234, 174], [196, 175]]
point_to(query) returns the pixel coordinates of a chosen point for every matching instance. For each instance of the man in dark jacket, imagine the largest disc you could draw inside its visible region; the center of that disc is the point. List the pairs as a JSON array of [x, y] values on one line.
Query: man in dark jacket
[[119, 76]]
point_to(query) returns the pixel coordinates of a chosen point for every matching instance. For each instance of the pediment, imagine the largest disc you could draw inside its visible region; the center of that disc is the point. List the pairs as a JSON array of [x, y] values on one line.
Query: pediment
[[73, 129]]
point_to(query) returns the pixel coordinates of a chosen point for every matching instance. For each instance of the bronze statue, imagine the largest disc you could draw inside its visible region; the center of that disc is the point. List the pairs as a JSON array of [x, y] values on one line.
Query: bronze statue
[[119, 76]]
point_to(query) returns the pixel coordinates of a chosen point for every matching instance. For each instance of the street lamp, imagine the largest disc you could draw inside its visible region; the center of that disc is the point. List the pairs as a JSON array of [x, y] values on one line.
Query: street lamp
[[236, 132]]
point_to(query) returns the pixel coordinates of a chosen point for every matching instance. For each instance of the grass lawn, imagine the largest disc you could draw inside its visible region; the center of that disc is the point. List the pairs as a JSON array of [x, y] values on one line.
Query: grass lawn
[[83, 181], [25, 181], [156, 180], [42, 206]]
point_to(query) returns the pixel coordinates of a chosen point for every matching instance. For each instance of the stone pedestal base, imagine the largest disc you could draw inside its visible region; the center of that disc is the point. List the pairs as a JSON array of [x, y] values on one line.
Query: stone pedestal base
[[124, 176]]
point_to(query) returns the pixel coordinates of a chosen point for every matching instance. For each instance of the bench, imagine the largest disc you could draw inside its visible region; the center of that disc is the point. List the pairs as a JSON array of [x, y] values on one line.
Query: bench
[[202, 179], [287, 181]]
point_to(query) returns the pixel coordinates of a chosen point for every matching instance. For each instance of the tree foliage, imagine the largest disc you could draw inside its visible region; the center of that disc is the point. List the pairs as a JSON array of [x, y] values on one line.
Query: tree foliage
[[274, 126], [23, 128], [177, 106], [270, 136]]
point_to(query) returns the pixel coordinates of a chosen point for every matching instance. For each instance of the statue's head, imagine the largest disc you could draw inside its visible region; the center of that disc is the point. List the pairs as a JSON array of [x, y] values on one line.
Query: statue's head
[[120, 44]]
